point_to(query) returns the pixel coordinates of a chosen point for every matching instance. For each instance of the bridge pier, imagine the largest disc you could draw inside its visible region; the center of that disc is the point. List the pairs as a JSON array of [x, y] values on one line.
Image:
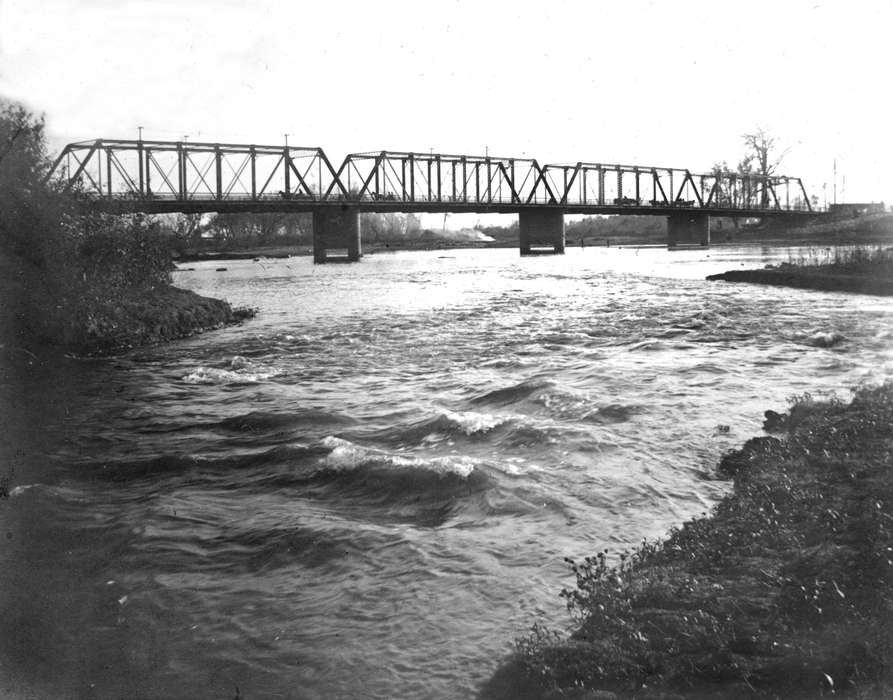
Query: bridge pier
[[541, 229], [336, 228], [688, 227]]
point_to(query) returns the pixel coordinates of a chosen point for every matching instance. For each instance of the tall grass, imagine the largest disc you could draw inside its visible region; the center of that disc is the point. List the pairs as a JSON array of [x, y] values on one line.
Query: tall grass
[[845, 259]]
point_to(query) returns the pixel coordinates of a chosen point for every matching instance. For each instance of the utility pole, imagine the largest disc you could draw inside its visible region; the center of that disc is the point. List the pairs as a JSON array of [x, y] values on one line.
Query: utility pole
[[835, 180], [140, 130]]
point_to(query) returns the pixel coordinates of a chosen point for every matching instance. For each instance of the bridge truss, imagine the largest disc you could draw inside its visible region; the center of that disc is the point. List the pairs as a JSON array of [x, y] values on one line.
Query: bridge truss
[[186, 176]]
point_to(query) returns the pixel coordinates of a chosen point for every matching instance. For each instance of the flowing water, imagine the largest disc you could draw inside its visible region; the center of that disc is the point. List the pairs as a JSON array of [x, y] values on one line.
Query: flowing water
[[369, 490]]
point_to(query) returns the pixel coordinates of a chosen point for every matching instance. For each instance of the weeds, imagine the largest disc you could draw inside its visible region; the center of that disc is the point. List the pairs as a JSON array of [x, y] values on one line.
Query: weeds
[[856, 259], [785, 590]]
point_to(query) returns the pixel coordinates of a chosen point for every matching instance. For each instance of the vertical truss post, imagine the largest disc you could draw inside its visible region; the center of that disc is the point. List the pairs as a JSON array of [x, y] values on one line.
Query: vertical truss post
[[181, 172], [411, 177], [514, 187], [601, 185], [489, 182], [672, 190], [638, 197], [464, 179], [139, 162], [218, 167], [181, 161], [108, 170], [252, 154], [439, 190], [286, 165], [403, 179], [148, 173], [430, 182]]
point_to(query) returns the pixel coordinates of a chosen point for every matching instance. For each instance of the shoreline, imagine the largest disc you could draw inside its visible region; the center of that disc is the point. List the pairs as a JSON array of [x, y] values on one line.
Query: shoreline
[[36, 323], [794, 276], [785, 590]]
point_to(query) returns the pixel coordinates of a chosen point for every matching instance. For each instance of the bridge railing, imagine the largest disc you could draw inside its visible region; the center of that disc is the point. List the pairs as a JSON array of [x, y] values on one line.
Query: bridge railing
[[180, 171]]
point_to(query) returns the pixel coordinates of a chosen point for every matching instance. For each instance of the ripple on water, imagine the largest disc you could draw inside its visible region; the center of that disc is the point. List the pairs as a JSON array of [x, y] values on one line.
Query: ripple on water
[[385, 459]]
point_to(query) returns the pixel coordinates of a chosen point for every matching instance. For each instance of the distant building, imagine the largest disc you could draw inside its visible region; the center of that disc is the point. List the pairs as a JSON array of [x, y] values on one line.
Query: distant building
[[857, 208]]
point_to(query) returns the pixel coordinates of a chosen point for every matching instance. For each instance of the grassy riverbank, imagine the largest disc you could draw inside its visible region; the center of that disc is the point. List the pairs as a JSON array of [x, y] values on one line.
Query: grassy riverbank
[[35, 313], [786, 590], [858, 270]]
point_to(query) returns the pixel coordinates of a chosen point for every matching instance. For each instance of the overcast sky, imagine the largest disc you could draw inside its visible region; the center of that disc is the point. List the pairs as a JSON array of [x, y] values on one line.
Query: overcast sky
[[638, 82]]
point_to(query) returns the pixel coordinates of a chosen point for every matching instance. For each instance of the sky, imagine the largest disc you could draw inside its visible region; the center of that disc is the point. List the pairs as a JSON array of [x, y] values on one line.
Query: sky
[[634, 82]]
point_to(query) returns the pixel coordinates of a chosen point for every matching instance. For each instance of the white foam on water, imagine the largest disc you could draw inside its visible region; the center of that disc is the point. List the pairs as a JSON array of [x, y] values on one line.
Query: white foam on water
[[471, 422], [240, 371], [346, 455], [19, 490]]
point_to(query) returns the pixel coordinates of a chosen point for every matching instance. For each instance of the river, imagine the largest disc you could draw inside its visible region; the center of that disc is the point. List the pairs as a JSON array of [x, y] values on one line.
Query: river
[[369, 489]]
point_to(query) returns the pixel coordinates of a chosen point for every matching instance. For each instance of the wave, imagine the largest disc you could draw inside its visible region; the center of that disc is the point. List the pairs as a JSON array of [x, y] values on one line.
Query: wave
[[239, 370], [512, 394], [346, 455], [262, 421], [20, 490], [824, 339], [612, 413], [444, 426], [168, 465]]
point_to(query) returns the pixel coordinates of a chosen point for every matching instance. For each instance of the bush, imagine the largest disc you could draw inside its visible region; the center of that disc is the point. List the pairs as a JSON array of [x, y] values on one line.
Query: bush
[[82, 267]]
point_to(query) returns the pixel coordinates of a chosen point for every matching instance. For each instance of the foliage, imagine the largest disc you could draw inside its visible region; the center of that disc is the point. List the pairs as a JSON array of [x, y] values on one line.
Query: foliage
[[379, 228], [85, 274], [785, 590], [857, 259], [226, 231], [600, 227]]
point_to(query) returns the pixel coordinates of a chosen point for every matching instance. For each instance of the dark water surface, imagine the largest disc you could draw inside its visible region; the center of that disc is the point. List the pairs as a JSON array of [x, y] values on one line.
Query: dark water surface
[[368, 490]]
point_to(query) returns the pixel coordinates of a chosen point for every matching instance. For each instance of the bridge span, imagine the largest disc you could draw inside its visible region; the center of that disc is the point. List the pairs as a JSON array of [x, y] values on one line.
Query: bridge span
[[180, 176]]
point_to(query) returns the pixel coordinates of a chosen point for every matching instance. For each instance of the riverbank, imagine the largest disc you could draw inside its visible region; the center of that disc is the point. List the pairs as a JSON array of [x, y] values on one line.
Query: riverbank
[[792, 277], [856, 270], [34, 318], [786, 590]]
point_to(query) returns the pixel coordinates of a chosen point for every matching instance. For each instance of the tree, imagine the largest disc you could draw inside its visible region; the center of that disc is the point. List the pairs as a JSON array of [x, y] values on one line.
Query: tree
[[761, 159]]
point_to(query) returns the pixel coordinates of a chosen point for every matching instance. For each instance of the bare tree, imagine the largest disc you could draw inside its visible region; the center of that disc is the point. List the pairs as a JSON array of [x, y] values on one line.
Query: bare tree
[[761, 159]]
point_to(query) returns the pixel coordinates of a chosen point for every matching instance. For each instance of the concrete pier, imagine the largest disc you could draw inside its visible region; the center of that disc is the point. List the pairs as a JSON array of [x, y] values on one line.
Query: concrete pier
[[336, 229], [541, 231], [688, 228]]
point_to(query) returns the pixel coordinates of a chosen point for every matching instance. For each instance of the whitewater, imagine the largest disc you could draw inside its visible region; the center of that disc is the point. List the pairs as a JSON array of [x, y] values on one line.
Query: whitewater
[[369, 490]]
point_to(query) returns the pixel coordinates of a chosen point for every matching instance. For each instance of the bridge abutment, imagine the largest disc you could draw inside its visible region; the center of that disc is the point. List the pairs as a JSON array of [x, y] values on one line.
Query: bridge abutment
[[688, 228], [541, 229], [336, 229]]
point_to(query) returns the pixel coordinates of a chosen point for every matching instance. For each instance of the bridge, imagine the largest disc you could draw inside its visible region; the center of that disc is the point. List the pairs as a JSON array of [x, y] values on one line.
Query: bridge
[[179, 176]]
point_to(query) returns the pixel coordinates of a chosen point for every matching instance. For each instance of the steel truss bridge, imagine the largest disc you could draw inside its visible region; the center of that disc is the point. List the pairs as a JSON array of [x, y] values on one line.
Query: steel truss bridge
[[181, 176]]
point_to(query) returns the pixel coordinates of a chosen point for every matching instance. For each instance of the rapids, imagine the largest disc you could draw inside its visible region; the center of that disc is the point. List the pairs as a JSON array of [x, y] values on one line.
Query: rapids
[[369, 489]]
